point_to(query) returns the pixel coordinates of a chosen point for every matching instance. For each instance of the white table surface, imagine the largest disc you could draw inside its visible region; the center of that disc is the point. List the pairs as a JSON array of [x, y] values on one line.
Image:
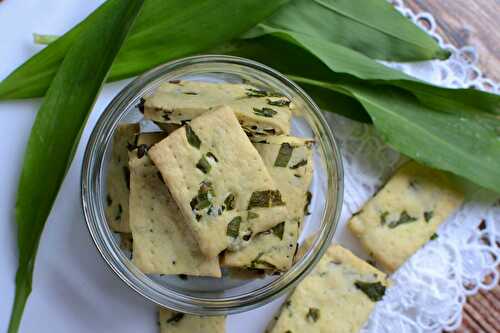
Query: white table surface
[[73, 289]]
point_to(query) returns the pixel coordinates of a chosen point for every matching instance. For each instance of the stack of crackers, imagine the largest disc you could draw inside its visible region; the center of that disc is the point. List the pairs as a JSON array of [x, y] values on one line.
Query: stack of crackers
[[224, 184]]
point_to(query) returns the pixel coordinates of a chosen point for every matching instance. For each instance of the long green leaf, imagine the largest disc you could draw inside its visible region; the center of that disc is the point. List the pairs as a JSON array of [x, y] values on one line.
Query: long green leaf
[[372, 27], [165, 30], [56, 132], [342, 62], [465, 143]]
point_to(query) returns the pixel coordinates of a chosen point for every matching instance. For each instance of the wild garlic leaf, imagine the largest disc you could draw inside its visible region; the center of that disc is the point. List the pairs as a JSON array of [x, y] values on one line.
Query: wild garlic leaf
[[465, 143], [319, 59], [47, 158], [164, 30], [374, 27]]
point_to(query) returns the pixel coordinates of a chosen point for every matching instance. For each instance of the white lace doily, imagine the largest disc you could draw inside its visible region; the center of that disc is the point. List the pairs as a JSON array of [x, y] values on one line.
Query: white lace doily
[[430, 289]]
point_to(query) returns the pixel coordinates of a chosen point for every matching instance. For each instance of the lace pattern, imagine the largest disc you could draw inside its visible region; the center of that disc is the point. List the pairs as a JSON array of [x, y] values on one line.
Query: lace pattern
[[430, 289]]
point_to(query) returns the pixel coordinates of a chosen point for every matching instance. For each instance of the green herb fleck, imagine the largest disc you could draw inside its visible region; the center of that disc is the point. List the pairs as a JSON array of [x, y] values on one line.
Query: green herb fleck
[[255, 92], [374, 290], [229, 201], [267, 198], [233, 228], [313, 314], [192, 138], [109, 201], [183, 276], [252, 215], [258, 263], [190, 93], [308, 202], [278, 230], [299, 164], [175, 318], [284, 155], [203, 165], [403, 219], [203, 199], [383, 217], [434, 236], [428, 215], [119, 213], [279, 102], [264, 112]]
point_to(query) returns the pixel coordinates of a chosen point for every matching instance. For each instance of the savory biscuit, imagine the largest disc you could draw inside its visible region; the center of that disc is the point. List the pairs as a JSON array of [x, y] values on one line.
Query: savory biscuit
[[337, 297], [161, 245], [176, 322], [289, 161], [405, 213], [216, 177], [117, 181], [259, 112]]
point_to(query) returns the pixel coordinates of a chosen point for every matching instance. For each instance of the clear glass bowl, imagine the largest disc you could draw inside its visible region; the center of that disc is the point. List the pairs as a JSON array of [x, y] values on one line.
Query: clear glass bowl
[[233, 293]]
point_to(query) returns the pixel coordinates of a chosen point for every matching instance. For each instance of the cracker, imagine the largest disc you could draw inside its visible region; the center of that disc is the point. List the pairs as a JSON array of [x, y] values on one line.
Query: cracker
[[260, 113], [117, 181], [289, 161], [176, 322], [338, 296], [405, 213], [161, 245], [215, 175]]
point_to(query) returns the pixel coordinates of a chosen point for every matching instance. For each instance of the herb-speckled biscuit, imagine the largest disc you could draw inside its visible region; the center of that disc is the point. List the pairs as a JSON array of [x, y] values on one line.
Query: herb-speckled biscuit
[[289, 161], [161, 245], [405, 213], [176, 322], [259, 112], [337, 297], [117, 181], [216, 176]]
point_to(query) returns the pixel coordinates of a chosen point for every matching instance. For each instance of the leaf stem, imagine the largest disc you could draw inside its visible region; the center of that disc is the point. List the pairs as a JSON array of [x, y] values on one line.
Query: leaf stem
[[44, 39], [23, 290]]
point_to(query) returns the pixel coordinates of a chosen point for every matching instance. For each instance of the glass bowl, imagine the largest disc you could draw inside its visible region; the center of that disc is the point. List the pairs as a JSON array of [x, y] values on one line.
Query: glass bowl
[[232, 293]]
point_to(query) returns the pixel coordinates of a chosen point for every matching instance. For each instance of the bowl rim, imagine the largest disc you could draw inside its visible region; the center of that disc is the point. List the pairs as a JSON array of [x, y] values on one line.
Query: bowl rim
[[138, 281]]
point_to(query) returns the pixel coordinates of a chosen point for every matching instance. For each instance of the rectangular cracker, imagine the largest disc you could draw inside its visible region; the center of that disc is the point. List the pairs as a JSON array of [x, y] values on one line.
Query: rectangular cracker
[[338, 296], [117, 182], [259, 112], [215, 175], [176, 322], [289, 161], [161, 245], [405, 213]]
